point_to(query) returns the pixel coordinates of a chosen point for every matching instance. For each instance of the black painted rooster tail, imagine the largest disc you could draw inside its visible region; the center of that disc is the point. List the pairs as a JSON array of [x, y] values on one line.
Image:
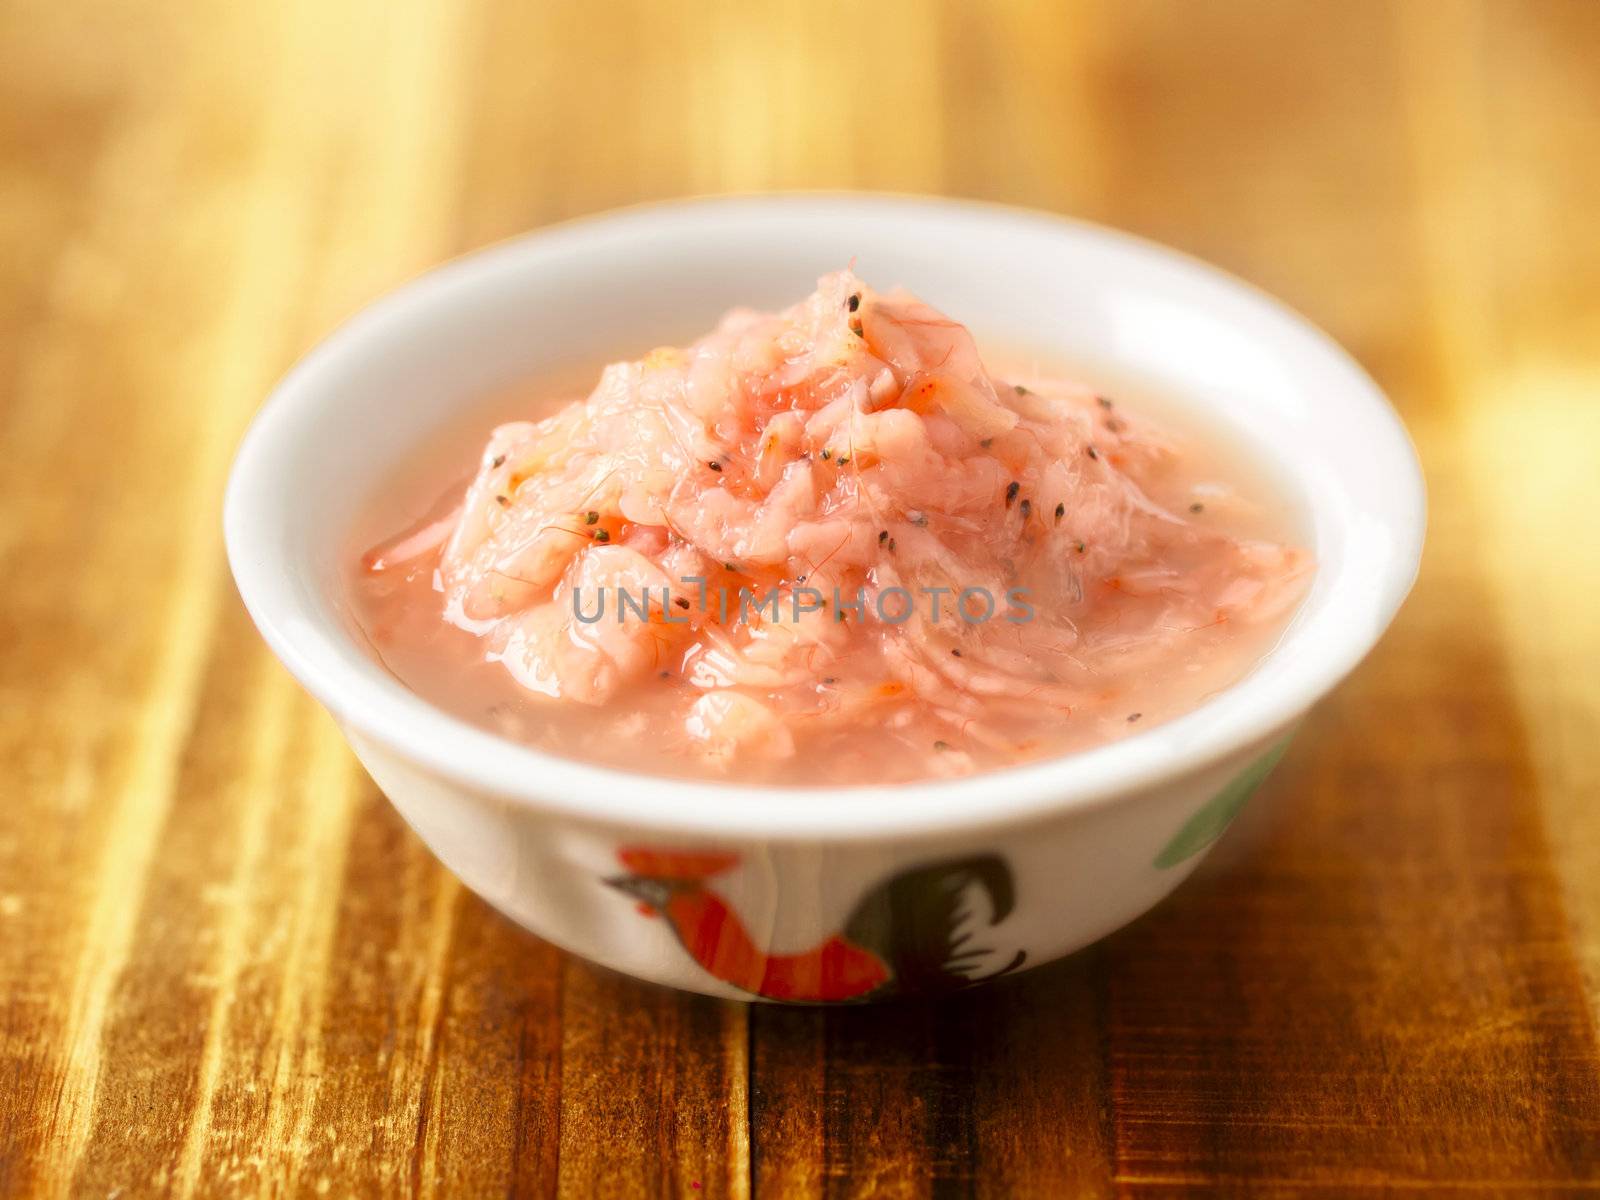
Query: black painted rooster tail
[[926, 922]]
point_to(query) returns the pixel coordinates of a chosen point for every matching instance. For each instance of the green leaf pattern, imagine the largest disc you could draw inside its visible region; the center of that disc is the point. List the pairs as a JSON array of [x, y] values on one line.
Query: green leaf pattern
[[1207, 825]]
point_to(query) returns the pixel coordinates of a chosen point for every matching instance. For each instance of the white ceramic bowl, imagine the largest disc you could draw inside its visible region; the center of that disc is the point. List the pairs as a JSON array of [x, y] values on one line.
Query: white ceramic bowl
[[820, 894]]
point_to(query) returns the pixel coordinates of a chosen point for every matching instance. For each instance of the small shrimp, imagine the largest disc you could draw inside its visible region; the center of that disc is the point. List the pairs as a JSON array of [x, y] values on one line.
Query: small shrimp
[[601, 630], [427, 535], [481, 508], [729, 725]]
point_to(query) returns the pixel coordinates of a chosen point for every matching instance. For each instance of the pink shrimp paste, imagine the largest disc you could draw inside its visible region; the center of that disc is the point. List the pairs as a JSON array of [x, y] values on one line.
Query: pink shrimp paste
[[827, 545]]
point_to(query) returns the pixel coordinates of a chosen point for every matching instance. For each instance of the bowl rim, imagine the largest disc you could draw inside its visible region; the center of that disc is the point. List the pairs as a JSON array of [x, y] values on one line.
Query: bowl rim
[[1247, 714]]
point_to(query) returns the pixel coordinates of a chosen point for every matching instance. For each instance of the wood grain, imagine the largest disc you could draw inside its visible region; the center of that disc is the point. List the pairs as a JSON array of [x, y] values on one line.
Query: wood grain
[[226, 967]]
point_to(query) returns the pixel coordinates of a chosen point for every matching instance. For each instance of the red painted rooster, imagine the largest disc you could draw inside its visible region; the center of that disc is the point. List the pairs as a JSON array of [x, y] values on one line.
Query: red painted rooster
[[917, 932]]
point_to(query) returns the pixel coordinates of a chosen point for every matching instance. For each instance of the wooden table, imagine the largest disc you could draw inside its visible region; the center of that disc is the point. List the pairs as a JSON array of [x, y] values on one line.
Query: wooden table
[[226, 967]]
